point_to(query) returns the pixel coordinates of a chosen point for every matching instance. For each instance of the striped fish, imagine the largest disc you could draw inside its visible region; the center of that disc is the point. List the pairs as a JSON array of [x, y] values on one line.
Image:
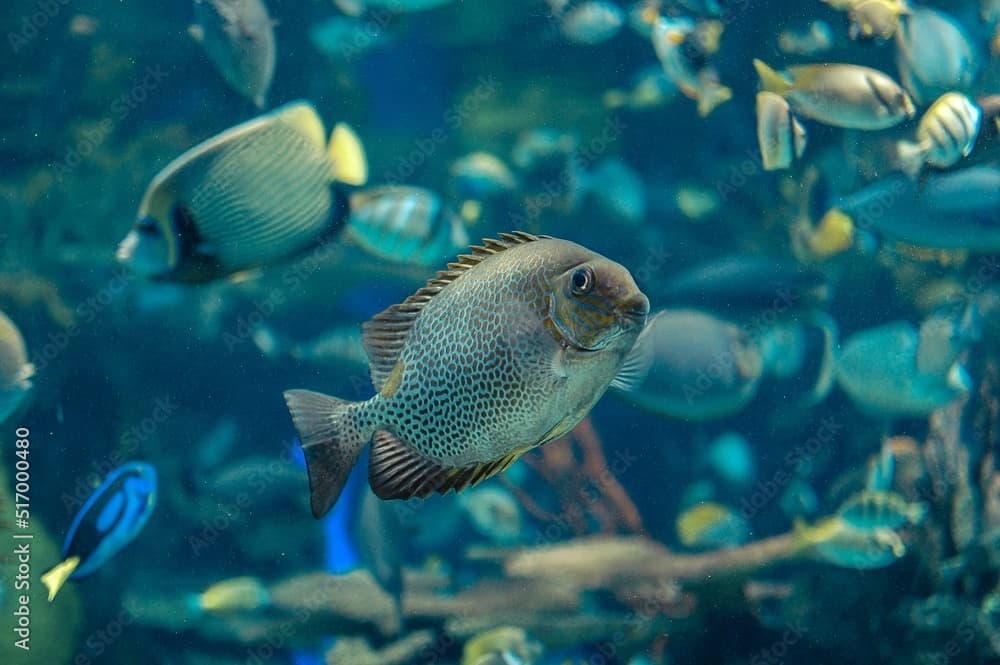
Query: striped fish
[[405, 224], [253, 195]]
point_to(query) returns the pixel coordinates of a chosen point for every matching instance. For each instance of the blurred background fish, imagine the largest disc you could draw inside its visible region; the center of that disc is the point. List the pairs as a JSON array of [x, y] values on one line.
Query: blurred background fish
[[405, 224], [110, 519], [238, 36], [15, 370]]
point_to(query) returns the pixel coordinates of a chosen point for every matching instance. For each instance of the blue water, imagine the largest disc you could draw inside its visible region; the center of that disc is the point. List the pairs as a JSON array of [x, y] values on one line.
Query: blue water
[[100, 97]]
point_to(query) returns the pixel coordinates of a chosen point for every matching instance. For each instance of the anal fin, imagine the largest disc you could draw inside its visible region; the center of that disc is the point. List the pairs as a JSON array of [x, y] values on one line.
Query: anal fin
[[396, 471]]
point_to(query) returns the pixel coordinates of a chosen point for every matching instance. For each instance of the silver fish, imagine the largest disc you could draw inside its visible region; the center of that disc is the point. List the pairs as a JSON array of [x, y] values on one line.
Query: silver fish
[[840, 95], [238, 36], [507, 349]]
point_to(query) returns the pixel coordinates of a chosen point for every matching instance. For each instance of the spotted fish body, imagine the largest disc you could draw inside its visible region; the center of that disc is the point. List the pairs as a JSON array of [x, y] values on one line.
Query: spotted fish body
[[508, 349]]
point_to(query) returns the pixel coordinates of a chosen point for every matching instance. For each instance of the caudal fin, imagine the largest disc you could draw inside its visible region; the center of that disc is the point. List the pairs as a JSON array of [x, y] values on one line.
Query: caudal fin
[[56, 578], [770, 80], [331, 442]]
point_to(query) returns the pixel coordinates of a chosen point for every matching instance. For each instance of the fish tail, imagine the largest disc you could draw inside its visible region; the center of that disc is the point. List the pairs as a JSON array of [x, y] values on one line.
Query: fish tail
[[911, 157], [347, 156], [56, 578], [331, 441], [770, 80]]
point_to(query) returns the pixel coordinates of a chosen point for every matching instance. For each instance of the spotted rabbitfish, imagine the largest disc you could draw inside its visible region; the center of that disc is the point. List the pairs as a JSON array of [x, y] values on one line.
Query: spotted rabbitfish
[[507, 349]]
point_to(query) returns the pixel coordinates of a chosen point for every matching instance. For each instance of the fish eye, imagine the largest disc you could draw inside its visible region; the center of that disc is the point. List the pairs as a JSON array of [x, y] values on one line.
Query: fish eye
[[582, 280]]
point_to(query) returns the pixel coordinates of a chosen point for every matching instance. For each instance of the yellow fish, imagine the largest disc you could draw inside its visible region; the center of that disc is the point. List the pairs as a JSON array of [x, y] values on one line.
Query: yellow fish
[[233, 595]]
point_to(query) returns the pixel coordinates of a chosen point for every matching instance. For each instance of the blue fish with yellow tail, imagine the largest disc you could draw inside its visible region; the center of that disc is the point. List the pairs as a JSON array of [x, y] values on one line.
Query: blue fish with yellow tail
[[110, 519]]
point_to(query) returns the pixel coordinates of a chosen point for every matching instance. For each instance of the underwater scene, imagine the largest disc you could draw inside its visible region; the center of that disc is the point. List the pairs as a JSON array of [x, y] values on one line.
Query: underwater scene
[[523, 332]]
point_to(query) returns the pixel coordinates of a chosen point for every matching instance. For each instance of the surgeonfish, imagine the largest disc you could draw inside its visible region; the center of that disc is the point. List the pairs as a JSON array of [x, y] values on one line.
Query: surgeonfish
[[878, 371], [109, 520], [507, 349], [934, 54], [959, 209], [15, 370], [238, 36], [255, 194], [405, 224], [781, 137], [870, 510], [946, 133], [701, 367], [840, 95]]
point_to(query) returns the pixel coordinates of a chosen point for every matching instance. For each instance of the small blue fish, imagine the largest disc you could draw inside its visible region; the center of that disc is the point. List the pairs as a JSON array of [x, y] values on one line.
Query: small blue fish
[[110, 519]]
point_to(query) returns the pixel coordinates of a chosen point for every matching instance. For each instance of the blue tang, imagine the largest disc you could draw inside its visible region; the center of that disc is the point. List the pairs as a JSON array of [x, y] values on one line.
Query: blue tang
[[110, 519]]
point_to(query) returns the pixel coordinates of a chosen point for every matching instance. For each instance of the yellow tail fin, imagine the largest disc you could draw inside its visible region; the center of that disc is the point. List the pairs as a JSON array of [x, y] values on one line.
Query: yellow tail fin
[[770, 80], [55, 578], [348, 156]]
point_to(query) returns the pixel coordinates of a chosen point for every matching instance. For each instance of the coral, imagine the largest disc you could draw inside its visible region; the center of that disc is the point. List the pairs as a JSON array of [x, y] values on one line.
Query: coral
[[582, 479]]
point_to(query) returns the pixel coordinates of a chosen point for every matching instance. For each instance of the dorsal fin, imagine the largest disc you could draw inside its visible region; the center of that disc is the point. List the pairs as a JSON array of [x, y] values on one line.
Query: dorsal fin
[[384, 336]]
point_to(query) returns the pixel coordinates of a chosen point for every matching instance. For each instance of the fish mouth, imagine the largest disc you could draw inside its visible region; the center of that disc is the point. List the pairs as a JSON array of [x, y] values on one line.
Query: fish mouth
[[635, 312]]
